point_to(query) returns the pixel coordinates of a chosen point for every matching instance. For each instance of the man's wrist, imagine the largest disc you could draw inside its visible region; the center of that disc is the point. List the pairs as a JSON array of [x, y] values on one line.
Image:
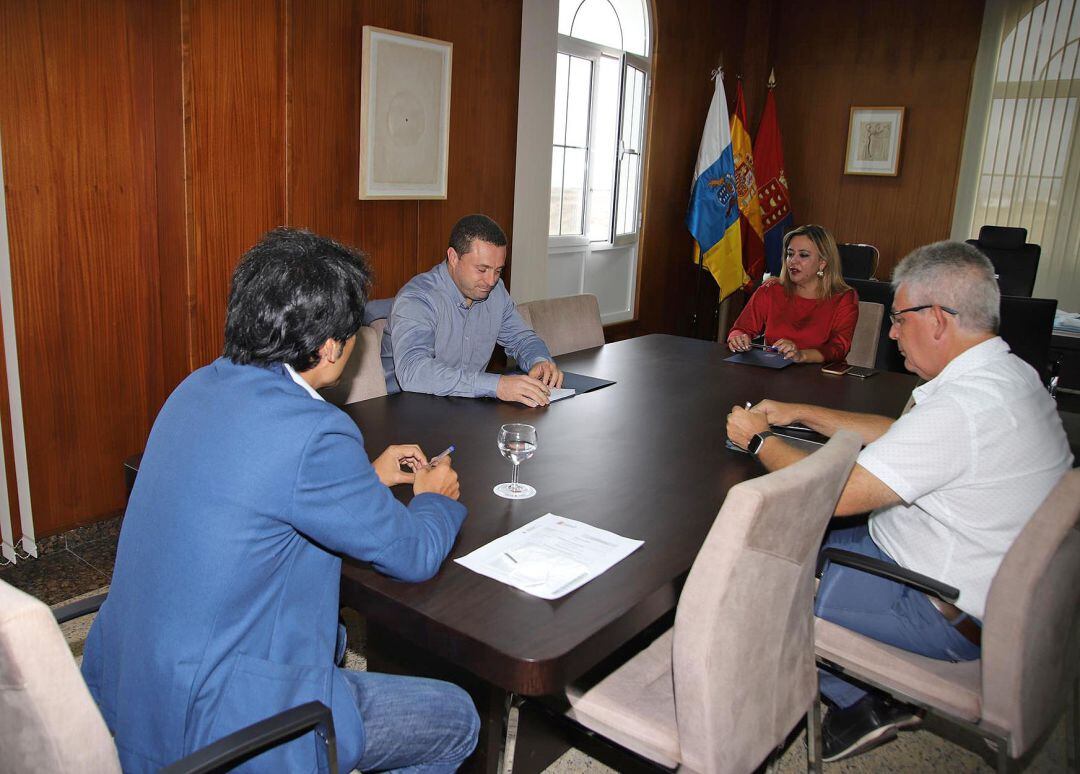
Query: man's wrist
[[757, 442], [487, 385]]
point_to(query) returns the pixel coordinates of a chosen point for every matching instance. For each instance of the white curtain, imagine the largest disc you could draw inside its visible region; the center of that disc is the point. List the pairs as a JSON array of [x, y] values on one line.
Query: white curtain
[[1022, 149]]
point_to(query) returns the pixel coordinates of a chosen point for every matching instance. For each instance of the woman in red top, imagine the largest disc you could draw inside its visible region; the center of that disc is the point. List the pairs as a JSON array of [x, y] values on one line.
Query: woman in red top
[[809, 314]]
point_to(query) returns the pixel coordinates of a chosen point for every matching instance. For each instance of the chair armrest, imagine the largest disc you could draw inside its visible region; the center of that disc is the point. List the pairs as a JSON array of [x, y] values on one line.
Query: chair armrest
[[282, 727], [80, 608], [895, 572]]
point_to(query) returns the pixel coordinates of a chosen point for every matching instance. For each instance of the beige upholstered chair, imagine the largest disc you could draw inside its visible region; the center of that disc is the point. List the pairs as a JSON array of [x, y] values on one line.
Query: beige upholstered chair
[[721, 690], [565, 324], [864, 342], [526, 315], [363, 374], [1030, 652], [49, 721]]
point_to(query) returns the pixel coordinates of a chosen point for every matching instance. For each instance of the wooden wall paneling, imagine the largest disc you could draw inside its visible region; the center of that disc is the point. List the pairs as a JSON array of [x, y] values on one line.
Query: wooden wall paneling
[[691, 37], [325, 49], [175, 281], [889, 53], [483, 119], [76, 112], [22, 112], [234, 109]]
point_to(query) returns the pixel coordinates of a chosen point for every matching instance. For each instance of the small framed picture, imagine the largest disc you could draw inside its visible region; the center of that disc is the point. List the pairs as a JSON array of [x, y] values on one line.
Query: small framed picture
[[404, 115], [873, 145]]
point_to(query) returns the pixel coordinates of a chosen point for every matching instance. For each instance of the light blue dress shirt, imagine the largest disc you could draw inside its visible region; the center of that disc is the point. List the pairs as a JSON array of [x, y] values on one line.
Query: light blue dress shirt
[[438, 343]]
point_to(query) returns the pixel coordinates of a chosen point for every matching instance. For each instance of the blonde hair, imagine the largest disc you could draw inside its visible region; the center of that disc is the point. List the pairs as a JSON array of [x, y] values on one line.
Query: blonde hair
[[832, 282]]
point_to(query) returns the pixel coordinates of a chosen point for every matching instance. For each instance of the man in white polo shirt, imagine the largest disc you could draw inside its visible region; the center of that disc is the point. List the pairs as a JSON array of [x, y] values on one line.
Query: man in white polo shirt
[[950, 484]]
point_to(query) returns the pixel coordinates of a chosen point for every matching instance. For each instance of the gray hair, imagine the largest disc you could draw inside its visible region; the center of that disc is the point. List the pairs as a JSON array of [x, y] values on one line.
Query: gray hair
[[956, 275]]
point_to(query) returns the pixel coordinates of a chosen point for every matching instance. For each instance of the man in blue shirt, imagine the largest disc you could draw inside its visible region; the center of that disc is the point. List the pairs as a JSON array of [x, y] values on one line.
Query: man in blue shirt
[[223, 607], [445, 323]]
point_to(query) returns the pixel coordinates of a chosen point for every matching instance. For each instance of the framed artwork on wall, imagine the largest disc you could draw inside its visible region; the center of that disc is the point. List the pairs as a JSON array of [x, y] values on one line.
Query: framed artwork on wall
[[404, 115], [873, 145]]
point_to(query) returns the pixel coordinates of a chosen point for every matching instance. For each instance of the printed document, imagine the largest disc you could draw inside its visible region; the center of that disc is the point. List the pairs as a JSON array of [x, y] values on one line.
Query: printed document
[[550, 556]]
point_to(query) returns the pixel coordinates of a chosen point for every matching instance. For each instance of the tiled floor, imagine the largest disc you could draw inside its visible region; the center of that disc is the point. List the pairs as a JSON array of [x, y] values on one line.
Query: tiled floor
[[68, 565]]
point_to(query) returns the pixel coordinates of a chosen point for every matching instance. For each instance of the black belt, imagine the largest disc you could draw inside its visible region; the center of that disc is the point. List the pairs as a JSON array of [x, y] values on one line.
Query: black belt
[[961, 621]]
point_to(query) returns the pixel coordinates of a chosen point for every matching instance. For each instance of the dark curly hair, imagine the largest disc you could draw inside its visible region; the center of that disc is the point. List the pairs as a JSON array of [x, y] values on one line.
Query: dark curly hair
[[290, 293]]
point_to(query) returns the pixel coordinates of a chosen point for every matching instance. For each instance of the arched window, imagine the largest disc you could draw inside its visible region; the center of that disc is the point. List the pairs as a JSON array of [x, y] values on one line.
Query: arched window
[[1029, 162], [601, 99]]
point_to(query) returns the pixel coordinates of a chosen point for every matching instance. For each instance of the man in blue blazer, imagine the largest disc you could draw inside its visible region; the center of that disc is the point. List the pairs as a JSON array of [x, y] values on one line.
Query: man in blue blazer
[[223, 607]]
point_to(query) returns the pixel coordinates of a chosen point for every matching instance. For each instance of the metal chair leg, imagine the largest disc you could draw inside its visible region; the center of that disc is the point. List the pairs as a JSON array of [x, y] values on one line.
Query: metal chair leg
[[813, 738], [513, 713], [1002, 747]]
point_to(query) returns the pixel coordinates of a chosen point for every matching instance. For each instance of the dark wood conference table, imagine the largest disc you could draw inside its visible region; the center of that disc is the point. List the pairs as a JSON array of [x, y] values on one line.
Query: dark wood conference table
[[644, 458]]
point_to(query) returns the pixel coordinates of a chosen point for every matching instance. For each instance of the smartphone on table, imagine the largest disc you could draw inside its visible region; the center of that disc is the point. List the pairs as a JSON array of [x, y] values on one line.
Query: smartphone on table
[[860, 372], [838, 367]]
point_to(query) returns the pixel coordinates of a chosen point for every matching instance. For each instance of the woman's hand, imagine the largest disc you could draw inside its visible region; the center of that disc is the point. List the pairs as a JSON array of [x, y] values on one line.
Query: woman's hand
[[739, 342], [787, 348]]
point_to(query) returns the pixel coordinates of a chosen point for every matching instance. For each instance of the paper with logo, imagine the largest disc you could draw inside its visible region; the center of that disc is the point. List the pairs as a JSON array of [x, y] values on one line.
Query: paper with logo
[[550, 556]]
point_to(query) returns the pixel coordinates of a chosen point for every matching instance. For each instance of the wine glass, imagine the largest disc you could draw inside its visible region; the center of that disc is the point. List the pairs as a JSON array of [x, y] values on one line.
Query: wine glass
[[517, 443]]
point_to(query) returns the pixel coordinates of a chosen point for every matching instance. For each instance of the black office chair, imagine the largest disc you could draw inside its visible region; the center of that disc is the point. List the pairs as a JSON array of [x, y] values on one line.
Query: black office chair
[[1027, 325], [1016, 262], [858, 261], [888, 356]]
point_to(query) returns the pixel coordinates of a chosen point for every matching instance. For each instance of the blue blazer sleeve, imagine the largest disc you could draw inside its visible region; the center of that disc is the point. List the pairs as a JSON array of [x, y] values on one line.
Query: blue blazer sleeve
[[340, 503]]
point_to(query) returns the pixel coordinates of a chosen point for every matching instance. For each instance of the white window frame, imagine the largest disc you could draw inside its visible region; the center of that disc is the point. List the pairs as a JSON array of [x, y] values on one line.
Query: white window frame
[[592, 52], [642, 64]]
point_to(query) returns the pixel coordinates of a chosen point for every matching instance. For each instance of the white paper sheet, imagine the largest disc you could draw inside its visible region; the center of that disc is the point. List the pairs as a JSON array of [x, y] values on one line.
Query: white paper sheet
[[558, 393], [550, 556]]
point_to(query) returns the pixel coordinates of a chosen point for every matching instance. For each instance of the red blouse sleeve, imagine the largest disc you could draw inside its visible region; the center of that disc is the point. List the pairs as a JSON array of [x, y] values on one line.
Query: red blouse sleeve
[[754, 315], [843, 327]]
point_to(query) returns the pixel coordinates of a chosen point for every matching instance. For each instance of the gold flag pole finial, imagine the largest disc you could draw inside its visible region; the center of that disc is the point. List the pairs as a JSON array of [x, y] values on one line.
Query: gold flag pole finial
[[772, 78], [718, 71]]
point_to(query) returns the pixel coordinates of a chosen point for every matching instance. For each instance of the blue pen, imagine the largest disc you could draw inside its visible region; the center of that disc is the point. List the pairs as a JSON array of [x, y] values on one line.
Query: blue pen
[[437, 457], [766, 347]]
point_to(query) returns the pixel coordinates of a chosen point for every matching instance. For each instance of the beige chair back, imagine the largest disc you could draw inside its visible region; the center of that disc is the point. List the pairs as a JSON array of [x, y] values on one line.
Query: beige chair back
[[363, 374], [48, 719], [1030, 650], [526, 314], [565, 324], [864, 343], [743, 655]]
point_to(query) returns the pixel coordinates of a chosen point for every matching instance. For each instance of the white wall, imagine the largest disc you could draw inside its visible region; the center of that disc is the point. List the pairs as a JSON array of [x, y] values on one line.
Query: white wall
[[532, 187]]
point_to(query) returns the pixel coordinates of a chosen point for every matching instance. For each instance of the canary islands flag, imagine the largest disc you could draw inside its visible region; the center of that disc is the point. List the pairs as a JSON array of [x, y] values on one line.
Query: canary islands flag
[[713, 216]]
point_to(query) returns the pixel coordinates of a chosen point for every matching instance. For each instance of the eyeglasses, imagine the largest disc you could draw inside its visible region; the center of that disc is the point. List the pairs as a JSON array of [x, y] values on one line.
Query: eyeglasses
[[895, 319]]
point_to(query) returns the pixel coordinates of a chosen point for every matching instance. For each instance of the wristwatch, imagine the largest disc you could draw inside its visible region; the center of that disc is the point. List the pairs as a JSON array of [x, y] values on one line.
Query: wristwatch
[[756, 440]]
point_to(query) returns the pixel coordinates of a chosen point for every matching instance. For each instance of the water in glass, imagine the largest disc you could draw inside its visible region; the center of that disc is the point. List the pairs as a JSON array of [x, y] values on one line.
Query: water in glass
[[517, 442]]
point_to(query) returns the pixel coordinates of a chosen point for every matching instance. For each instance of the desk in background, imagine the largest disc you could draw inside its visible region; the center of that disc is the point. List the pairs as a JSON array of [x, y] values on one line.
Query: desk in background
[[644, 458], [1065, 349]]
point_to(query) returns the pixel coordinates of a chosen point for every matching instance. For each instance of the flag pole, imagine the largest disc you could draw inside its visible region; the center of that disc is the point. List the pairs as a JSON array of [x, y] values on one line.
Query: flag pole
[[697, 291]]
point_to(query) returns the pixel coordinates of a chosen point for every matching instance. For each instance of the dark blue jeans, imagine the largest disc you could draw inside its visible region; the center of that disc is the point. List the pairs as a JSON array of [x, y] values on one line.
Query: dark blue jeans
[[888, 611], [413, 725]]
